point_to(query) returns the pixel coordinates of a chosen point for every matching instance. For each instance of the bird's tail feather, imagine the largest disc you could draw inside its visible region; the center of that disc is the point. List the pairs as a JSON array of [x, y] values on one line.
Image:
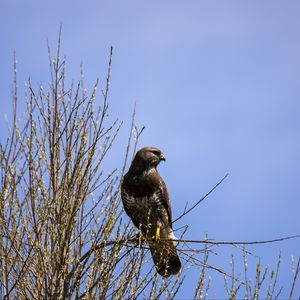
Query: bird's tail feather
[[165, 257]]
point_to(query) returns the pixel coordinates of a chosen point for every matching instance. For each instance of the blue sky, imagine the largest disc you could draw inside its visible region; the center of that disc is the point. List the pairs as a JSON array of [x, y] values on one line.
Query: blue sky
[[217, 85]]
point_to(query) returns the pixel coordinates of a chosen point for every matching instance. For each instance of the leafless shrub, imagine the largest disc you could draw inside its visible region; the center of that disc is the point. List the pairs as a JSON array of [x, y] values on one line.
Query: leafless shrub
[[62, 234]]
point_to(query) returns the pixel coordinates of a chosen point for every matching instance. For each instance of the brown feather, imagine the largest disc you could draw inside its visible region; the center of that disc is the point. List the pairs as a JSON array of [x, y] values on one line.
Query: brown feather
[[146, 201]]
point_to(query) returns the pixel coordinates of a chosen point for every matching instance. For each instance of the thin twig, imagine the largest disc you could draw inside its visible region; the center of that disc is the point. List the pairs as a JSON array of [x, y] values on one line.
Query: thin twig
[[199, 201]]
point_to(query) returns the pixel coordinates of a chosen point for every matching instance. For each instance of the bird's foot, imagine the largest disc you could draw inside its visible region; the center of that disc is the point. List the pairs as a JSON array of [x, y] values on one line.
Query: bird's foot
[[157, 234]]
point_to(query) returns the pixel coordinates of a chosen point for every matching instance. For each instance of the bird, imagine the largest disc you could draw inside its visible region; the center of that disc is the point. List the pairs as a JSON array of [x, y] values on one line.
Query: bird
[[146, 201]]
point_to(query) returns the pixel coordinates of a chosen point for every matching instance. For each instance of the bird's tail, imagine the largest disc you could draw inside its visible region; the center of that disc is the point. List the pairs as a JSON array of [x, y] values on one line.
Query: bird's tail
[[165, 257]]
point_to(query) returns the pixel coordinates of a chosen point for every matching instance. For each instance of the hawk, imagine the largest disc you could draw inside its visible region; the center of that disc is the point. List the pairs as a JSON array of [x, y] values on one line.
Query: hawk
[[146, 201]]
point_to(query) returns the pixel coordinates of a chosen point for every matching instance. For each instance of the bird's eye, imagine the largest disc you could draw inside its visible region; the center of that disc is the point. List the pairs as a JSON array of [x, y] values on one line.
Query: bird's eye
[[156, 153]]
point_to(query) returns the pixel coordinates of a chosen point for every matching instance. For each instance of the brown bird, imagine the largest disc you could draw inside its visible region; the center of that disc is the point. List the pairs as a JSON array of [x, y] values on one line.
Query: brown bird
[[146, 201]]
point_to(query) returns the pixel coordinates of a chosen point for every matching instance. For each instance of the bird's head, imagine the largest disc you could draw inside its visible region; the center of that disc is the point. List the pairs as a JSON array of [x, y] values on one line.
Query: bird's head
[[147, 158]]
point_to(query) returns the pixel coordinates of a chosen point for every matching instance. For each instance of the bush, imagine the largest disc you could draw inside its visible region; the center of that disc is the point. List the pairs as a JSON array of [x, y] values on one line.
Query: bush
[[62, 233]]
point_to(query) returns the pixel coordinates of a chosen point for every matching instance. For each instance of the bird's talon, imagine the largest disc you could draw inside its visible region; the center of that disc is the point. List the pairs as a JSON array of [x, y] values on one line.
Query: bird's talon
[[157, 234]]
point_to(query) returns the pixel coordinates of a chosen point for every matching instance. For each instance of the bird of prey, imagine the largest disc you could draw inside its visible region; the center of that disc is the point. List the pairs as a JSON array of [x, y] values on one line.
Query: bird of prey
[[146, 201]]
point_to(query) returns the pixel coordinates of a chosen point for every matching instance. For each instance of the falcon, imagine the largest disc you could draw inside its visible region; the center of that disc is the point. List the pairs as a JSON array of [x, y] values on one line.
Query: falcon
[[146, 201]]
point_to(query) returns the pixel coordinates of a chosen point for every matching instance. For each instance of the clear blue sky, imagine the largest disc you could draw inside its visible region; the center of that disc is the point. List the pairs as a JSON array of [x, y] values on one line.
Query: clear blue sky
[[217, 85]]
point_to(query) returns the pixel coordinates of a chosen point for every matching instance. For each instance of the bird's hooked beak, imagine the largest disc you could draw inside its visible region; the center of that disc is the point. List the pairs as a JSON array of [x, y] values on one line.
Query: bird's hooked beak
[[162, 157]]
